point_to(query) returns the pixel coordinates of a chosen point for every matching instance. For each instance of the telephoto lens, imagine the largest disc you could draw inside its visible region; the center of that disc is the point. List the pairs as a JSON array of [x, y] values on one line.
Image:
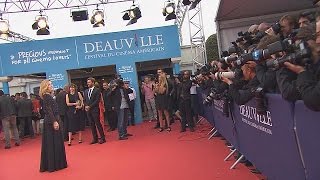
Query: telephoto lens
[[229, 75]]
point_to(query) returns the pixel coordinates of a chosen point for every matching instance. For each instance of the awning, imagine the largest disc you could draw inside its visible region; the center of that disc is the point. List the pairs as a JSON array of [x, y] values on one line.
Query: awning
[[237, 9]]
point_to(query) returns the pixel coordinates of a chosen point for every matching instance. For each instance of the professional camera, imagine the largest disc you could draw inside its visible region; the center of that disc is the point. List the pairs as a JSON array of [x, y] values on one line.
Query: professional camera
[[261, 101], [213, 94], [207, 69], [236, 74], [220, 75], [301, 55], [250, 38]]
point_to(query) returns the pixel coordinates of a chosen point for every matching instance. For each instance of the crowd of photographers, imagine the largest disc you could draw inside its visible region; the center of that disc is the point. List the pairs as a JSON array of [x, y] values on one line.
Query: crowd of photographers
[[269, 58]]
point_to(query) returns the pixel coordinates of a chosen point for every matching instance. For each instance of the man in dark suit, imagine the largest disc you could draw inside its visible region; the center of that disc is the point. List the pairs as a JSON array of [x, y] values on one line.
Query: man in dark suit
[[8, 118], [62, 107], [110, 113], [184, 99], [24, 111], [92, 98]]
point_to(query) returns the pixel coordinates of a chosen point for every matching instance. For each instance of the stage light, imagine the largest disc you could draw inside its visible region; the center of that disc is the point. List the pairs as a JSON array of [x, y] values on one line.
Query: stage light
[[41, 24], [169, 10], [78, 14], [132, 14], [4, 26], [186, 2], [98, 18], [193, 3]]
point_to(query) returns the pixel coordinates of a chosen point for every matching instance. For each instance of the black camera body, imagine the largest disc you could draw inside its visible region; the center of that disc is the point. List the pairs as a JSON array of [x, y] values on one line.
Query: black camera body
[[301, 55]]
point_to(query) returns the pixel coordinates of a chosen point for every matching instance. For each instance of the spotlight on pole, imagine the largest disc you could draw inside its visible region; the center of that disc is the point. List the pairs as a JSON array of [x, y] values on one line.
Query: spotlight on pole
[[169, 10], [97, 18], [132, 14], [79, 14], [4, 28], [193, 3], [41, 24]]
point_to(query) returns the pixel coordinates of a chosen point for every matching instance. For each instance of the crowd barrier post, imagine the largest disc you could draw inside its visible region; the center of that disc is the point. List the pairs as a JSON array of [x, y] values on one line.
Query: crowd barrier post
[[307, 124]]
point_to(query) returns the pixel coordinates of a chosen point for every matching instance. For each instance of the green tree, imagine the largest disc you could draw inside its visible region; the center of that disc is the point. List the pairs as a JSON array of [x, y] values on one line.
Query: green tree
[[212, 48]]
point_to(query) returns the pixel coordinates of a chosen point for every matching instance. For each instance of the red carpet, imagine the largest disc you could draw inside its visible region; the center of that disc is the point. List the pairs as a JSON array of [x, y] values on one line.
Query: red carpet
[[148, 155]]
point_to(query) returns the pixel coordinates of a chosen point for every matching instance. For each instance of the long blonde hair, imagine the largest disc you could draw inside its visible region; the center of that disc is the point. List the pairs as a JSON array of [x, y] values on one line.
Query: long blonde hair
[[163, 85], [44, 88]]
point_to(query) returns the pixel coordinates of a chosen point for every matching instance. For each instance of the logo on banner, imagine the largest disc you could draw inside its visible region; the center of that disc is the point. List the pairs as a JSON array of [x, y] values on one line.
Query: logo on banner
[[261, 122], [124, 46]]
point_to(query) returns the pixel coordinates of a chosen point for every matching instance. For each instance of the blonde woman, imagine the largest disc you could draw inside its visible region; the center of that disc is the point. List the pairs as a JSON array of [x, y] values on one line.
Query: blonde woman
[[162, 102], [53, 155], [75, 115]]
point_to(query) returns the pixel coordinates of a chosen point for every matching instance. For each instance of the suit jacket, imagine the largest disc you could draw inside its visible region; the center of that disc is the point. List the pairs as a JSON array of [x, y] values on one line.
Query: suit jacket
[[109, 99], [7, 107], [92, 102], [118, 98], [184, 90], [24, 107], [61, 101]]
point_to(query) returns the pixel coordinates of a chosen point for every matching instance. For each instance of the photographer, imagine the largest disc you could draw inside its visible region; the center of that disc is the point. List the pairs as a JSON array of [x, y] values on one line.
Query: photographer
[[242, 95], [287, 76], [121, 106], [265, 75], [218, 84], [308, 78], [305, 19], [287, 23]]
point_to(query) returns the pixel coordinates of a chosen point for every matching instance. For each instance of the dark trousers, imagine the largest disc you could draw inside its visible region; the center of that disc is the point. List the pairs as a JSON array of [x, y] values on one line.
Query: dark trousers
[[64, 126], [186, 114], [93, 117], [25, 121], [131, 109], [111, 117]]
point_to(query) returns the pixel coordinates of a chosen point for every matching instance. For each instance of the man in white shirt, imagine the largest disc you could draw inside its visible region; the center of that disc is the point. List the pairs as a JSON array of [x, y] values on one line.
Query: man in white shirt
[[132, 97]]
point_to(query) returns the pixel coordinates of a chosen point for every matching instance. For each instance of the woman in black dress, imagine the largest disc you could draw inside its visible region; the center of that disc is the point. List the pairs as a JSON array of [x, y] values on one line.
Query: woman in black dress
[[75, 113], [53, 155], [163, 101]]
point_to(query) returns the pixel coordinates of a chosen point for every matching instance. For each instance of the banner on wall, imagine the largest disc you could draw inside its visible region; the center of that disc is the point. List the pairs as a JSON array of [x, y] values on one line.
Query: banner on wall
[[89, 51]]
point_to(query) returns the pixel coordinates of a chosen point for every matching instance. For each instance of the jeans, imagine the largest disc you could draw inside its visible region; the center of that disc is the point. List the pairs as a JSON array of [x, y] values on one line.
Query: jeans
[[131, 108], [151, 106], [6, 123], [122, 121]]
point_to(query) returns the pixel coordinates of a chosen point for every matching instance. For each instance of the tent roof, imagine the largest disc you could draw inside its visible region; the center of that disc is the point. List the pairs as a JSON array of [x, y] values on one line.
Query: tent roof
[[237, 9]]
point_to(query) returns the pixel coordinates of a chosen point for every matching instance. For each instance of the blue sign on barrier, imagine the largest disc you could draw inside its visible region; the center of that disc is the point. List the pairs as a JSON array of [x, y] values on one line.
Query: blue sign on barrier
[[269, 141], [308, 133], [225, 125]]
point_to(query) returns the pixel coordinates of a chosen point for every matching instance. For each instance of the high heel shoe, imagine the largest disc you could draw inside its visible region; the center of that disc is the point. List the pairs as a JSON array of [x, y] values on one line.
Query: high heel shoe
[[80, 141], [161, 129], [69, 143], [169, 129]]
